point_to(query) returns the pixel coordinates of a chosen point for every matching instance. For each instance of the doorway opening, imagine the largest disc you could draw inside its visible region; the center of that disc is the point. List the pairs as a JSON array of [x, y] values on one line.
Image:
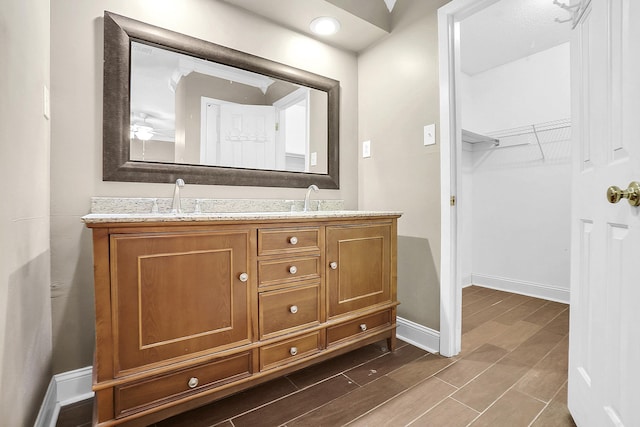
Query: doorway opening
[[505, 153]]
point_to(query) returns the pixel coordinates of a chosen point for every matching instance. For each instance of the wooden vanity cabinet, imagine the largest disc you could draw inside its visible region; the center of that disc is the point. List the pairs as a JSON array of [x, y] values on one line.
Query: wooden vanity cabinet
[[189, 312], [176, 294]]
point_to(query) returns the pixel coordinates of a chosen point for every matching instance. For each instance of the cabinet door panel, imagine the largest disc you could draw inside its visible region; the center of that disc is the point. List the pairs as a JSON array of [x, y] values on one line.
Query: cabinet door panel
[[361, 275], [177, 294]]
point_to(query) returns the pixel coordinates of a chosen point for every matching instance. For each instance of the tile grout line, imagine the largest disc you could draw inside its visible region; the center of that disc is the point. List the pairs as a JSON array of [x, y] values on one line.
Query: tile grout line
[[409, 388], [299, 390], [541, 327], [501, 314]]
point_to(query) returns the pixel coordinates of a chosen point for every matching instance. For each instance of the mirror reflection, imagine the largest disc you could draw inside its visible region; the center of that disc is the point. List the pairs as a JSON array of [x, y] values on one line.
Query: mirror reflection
[[188, 110]]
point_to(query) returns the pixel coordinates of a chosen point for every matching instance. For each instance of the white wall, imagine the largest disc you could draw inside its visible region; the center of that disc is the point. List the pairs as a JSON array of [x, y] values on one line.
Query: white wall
[[519, 213], [25, 306], [76, 134], [533, 89]]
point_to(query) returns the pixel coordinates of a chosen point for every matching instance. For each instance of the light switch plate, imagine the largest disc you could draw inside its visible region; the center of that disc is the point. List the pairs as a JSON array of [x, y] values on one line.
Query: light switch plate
[[366, 149], [314, 159], [430, 134], [46, 104]]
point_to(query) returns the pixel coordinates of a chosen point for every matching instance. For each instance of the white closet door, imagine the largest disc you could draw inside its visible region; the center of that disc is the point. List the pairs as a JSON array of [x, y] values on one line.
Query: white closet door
[[604, 354]]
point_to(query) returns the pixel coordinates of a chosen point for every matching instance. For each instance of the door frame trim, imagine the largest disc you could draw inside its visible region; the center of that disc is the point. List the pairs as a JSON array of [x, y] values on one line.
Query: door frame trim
[[449, 17]]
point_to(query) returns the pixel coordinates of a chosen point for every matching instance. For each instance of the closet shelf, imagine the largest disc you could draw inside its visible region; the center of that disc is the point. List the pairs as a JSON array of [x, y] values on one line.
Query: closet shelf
[[531, 129], [475, 138], [534, 134]]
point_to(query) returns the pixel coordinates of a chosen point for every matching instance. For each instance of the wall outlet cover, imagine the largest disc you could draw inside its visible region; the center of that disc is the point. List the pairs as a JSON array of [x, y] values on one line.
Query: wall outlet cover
[[314, 159]]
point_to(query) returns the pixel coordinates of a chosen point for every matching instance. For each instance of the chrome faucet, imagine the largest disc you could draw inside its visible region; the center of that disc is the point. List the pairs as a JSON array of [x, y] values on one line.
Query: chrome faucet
[[176, 207], [308, 195]]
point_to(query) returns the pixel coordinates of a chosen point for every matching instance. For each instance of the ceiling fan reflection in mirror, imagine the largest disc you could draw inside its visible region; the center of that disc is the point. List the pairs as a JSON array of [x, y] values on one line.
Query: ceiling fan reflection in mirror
[[145, 127]]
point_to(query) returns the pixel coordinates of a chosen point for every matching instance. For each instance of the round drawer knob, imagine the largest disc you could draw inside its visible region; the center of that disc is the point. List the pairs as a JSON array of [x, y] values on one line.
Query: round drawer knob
[[243, 277], [293, 309], [333, 265], [293, 240], [363, 327], [293, 269], [193, 382], [293, 351]]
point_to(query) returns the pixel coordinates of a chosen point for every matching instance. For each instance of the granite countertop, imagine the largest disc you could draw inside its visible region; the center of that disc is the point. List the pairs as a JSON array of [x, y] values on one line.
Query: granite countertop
[[141, 210], [228, 216]]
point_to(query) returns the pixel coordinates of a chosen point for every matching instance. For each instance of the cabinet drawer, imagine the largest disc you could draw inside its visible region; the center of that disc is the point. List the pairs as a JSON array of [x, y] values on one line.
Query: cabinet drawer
[[358, 327], [288, 240], [278, 354], [288, 270], [153, 392], [289, 309]]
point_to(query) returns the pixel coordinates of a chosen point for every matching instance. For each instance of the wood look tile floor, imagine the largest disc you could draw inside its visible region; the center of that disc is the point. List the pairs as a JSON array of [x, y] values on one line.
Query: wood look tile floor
[[512, 371]]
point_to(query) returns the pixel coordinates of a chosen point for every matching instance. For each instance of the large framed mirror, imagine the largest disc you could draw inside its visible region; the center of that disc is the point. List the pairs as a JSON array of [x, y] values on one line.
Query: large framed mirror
[[179, 107]]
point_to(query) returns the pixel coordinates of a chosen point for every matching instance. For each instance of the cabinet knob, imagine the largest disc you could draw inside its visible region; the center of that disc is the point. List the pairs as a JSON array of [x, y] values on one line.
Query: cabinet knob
[[293, 351], [333, 265], [293, 309], [293, 240], [193, 382], [363, 327], [293, 269], [243, 277]]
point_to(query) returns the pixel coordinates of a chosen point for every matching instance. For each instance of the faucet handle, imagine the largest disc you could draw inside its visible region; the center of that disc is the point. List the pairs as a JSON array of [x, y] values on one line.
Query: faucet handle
[[176, 207]]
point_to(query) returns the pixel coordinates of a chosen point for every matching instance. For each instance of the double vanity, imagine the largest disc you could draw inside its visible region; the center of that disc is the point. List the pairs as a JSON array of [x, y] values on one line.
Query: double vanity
[[194, 307]]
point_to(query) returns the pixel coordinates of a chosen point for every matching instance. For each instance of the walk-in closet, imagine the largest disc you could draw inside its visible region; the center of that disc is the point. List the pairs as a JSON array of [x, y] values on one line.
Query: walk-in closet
[[514, 198]]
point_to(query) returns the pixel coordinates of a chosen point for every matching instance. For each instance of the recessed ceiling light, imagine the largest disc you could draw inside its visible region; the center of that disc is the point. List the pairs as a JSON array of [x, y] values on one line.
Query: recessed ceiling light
[[325, 25]]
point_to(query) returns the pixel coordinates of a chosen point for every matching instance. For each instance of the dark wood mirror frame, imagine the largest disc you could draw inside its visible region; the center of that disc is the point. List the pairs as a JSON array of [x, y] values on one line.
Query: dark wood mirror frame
[[119, 31]]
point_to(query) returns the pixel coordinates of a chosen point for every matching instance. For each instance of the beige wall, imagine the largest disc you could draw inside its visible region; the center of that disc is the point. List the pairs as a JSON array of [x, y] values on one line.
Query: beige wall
[[76, 155], [25, 307], [397, 96]]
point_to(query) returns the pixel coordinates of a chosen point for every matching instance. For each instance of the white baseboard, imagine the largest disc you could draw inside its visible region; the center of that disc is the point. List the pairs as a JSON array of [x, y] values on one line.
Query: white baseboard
[[467, 280], [418, 335], [74, 386], [538, 290], [64, 389]]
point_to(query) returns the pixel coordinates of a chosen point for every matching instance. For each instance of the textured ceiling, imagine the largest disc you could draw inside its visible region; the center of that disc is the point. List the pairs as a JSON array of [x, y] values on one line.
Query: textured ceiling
[[503, 32], [509, 30], [362, 21]]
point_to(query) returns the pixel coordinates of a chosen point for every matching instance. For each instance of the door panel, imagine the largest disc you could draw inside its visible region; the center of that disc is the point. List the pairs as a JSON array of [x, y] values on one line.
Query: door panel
[[362, 275], [247, 136], [604, 346], [181, 291]]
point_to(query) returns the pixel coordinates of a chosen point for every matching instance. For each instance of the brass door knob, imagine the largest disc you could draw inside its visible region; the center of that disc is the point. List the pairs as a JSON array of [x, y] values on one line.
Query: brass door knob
[[615, 194]]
